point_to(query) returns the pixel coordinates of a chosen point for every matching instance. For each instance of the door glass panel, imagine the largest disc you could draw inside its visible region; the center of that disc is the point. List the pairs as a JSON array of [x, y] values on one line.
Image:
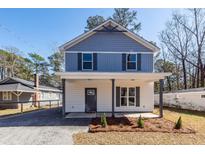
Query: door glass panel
[[90, 92]]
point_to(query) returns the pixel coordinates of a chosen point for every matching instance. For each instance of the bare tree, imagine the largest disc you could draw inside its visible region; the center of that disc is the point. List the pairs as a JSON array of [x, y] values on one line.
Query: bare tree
[[177, 40], [196, 26]]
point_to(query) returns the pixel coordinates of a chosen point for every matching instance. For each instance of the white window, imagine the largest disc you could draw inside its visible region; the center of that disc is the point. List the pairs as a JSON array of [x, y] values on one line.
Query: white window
[[7, 96], [131, 62], [87, 61], [127, 96]]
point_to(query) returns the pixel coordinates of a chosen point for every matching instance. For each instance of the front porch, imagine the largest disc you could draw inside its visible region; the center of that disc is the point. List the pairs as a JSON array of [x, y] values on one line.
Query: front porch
[[113, 93], [117, 115]]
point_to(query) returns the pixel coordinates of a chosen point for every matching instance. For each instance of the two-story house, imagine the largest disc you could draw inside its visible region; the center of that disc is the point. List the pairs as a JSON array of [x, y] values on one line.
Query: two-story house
[[109, 69]]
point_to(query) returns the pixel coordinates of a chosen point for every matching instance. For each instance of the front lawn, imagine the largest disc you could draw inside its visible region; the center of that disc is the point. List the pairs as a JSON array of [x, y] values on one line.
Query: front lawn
[[195, 120]]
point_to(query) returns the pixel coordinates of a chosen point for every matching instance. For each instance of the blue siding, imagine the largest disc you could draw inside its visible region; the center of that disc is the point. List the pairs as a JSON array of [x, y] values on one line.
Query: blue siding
[[108, 41], [147, 62], [71, 62], [109, 62]]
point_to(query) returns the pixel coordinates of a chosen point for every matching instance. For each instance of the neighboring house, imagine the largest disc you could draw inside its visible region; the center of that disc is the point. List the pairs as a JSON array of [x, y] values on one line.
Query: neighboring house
[[109, 69], [14, 89]]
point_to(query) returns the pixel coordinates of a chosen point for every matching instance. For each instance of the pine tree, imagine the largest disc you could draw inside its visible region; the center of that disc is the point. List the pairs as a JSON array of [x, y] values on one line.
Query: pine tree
[[140, 122], [178, 124]]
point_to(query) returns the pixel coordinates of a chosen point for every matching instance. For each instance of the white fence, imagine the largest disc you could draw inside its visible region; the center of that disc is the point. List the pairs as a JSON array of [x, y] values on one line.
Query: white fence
[[192, 100]]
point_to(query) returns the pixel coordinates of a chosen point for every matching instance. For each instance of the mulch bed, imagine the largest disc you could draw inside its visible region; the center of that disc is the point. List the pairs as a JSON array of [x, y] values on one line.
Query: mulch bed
[[125, 124]]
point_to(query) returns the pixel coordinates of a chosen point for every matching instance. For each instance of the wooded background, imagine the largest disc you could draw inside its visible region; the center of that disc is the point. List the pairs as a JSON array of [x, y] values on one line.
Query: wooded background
[[182, 44]]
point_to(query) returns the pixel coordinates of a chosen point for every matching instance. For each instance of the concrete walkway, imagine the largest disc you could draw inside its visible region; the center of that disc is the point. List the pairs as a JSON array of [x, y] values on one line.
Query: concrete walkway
[[41, 127], [136, 115], [118, 115]]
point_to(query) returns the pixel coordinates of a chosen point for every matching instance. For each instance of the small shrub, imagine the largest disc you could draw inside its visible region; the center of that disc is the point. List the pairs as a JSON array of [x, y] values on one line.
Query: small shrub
[[103, 120], [120, 125], [140, 122], [178, 124]]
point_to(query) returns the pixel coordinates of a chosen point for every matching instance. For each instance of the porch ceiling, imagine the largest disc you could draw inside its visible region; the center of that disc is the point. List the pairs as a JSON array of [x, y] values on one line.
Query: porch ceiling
[[114, 75]]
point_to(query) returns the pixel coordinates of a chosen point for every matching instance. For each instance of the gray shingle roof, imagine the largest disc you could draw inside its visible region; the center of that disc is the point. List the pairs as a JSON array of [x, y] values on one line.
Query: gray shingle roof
[[10, 81], [16, 87]]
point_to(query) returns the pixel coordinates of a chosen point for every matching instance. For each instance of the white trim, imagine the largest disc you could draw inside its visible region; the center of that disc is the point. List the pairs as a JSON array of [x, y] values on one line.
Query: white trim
[[141, 76], [91, 32], [81, 37], [128, 96], [86, 61], [120, 52], [131, 61]]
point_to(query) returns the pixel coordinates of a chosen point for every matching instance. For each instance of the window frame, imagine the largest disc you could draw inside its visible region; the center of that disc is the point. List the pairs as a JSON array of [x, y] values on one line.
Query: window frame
[[87, 61], [8, 95], [128, 96], [131, 62]]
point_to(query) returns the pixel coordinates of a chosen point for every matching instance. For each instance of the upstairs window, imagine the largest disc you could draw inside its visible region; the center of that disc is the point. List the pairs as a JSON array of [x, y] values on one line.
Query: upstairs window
[[87, 61], [131, 62]]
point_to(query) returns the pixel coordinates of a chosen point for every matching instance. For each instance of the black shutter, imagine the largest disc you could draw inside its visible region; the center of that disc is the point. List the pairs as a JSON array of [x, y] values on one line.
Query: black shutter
[[123, 62], [137, 96], [117, 96], [139, 61], [79, 61], [95, 61]]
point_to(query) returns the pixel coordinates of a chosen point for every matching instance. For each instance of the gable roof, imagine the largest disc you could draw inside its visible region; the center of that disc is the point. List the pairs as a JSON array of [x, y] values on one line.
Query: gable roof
[[117, 26], [14, 82]]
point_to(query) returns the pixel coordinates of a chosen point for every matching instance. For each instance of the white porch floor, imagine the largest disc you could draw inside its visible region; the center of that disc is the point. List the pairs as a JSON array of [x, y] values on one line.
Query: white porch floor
[[118, 115]]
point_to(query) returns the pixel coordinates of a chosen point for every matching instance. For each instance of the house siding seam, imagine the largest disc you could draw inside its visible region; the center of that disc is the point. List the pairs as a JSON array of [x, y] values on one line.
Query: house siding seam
[[108, 41], [108, 62]]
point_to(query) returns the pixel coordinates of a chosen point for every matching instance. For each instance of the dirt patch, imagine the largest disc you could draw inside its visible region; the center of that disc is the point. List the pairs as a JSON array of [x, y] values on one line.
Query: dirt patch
[[130, 125]]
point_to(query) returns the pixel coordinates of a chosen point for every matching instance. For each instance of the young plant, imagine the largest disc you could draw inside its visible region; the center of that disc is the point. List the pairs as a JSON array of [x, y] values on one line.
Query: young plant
[[103, 120], [120, 125], [178, 124], [140, 122]]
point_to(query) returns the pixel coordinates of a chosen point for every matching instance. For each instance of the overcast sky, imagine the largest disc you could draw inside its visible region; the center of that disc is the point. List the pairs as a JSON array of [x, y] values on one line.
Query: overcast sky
[[41, 30]]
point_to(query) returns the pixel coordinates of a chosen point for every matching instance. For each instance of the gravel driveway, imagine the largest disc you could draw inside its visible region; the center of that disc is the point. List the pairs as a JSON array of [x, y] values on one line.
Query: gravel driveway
[[40, 127]]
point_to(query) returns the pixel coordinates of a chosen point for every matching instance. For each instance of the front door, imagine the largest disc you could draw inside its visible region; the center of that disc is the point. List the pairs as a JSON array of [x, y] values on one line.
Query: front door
[[90, 99]]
